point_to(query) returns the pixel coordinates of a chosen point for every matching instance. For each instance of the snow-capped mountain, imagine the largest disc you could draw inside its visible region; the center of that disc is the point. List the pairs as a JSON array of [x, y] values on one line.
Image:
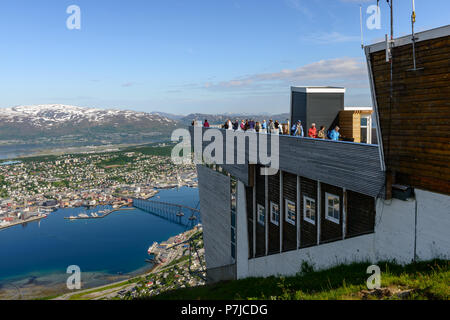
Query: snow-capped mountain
[[49, 115], [56, 121]]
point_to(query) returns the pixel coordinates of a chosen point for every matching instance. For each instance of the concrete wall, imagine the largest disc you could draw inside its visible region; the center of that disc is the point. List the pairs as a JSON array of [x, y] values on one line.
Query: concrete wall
[[221, 273], [433, 225], [320, 257], [394, 230], [395, 238], [215, 208]]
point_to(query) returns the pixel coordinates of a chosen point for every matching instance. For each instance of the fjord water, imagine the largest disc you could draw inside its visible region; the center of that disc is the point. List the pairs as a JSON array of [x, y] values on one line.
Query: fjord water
[[114, 245]]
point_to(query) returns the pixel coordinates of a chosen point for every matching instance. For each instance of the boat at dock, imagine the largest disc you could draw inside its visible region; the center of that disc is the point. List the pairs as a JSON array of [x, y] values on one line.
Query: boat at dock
[[152, 247]]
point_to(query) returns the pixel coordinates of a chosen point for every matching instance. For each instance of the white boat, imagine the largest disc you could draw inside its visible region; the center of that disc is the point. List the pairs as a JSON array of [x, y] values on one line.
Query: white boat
[[153, 246]]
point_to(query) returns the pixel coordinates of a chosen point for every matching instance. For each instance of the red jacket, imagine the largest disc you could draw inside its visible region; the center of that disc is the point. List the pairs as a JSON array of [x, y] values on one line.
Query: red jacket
[[206, 124], [312, 132]]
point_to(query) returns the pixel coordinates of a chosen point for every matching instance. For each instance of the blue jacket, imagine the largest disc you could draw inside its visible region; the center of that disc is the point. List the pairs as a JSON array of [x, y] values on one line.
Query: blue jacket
[[334, 135]]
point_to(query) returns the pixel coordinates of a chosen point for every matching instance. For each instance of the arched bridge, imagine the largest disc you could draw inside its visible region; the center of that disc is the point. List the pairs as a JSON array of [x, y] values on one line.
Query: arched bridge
[[176, 213]]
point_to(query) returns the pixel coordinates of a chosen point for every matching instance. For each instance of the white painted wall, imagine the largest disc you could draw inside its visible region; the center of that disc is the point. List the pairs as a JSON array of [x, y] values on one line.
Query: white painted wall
[[394, 230], [394, 239], [320, 257], [433, 225]]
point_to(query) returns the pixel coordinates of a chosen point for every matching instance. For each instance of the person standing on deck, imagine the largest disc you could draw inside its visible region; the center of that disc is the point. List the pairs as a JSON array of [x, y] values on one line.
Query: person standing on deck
[[242, 126], [206, 124], [264, 126], [236, 125], [271, 128], [299, 129], [312, 132], [334, 134], [321, 134], [277, 127], [251, 125], [258, 126]]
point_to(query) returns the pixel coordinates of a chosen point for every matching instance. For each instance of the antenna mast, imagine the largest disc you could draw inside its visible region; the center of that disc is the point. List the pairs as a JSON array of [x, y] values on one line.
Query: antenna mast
[[413, 20], [361, 24], [392, 19]]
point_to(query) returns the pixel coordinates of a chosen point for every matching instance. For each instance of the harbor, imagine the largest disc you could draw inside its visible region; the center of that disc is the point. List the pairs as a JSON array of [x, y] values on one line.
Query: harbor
[[31, 219], [95, 215], [107, 250]]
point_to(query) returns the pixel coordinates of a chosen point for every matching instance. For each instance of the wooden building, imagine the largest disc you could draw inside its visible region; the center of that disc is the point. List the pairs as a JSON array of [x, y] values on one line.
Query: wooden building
[[325, 202], [414, 109], [356, 125]]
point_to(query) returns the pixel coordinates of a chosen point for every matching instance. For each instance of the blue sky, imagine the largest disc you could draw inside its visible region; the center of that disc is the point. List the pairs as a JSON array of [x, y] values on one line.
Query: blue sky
[[182, 56]]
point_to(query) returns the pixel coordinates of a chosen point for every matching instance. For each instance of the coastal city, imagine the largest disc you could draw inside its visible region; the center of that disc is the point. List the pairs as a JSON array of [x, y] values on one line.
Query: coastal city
[[179, 262], [31, 188]]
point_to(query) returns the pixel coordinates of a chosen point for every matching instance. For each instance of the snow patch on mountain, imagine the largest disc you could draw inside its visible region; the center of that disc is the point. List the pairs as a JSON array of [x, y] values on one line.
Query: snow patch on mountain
[[54, 114]]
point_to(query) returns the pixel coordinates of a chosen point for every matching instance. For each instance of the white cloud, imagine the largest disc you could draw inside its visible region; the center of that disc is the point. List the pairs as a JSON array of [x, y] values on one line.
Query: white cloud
[[340, 71]]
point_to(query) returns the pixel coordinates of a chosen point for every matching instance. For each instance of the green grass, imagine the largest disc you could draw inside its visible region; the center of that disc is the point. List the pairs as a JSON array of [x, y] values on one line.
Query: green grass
[[429, 280], [174, 262], [80, 296], [152, 150], [118, 160]]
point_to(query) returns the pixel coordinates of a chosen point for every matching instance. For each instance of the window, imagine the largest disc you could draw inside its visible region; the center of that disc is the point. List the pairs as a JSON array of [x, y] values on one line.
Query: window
[[274, 213], [290, 211], [261, 214], [309, 210], [332, 207], [364, 129]]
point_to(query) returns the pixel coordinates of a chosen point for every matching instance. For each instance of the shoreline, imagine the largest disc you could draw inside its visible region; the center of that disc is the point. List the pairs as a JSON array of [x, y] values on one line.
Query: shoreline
[[22, 222], [37, 287]]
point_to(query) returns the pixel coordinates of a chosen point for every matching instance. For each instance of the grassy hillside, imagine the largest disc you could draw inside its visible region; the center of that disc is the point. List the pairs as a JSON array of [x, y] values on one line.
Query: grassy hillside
[[424, 280]]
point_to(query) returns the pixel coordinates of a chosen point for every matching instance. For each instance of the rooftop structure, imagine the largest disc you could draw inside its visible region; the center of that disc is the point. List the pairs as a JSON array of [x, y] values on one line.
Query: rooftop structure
[[324, 202]]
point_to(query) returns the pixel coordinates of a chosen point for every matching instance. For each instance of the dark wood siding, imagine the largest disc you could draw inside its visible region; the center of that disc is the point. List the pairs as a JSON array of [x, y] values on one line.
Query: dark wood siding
[[274, 196], [249, 199], [415, 124], [260, 200], [360, 214], [329, 230], [289, 193], [308, 231]]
